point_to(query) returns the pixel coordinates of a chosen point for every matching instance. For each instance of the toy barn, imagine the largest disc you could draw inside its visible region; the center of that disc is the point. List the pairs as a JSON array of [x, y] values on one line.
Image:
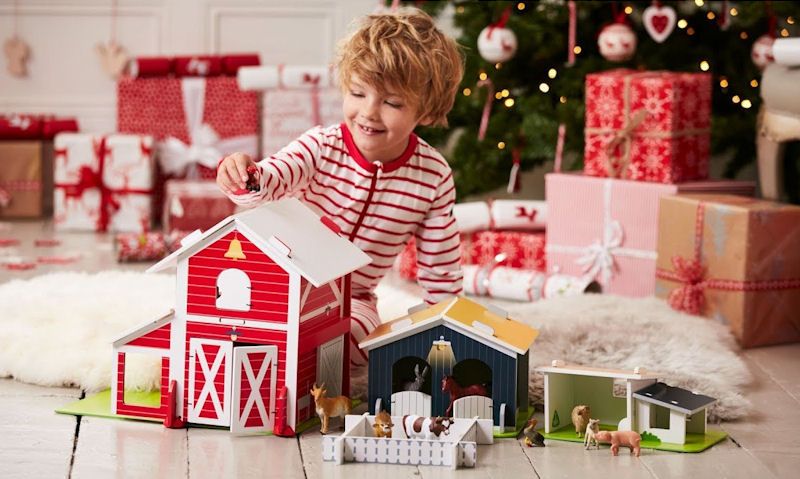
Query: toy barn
[[262, 308], [455, 358]]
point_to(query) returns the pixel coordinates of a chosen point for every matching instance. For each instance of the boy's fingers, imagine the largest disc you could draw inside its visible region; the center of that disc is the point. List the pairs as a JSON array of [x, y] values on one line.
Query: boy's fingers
[[241, 167], [234, 176]]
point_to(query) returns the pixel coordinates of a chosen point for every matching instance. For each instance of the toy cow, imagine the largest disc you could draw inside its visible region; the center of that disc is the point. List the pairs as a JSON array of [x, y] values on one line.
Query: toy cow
[[629, 439], [418, 427]]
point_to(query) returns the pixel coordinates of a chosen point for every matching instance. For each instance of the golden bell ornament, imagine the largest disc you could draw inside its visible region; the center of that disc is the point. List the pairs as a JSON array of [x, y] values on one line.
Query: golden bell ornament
[[235, 250]]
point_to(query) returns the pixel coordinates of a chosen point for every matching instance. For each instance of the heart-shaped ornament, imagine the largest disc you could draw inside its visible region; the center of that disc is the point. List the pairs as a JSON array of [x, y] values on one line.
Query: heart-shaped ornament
[[659, 21], [113, 59]]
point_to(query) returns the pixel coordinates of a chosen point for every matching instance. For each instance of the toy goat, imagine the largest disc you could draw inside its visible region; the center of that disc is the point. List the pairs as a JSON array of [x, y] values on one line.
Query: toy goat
[[383, 425], [426, 427], [416, 384], [329, 407], [591, 434], [580, 418], [449, 385], [630, 439]]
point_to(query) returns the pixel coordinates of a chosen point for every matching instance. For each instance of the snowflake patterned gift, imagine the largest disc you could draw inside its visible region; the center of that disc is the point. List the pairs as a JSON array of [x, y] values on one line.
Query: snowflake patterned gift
[[648, 126]]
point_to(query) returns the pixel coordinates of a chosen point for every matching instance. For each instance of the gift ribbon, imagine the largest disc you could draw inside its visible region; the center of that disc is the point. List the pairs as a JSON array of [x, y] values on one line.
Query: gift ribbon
[[8, 187], [90, 179], [205, 147], [598, 258], [625, 135], [690, 273]]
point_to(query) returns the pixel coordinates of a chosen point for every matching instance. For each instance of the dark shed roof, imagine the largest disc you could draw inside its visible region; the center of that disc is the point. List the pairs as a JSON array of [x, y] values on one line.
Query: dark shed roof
[[675, 398]]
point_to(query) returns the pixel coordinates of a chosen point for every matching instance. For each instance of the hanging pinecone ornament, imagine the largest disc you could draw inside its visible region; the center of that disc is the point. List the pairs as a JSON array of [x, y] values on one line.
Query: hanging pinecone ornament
[[496, 43], [617, 41], [761, 53]]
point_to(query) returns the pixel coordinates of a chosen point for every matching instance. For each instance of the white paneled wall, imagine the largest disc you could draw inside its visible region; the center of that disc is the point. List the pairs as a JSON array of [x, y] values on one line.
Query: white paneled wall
[[64, 73]]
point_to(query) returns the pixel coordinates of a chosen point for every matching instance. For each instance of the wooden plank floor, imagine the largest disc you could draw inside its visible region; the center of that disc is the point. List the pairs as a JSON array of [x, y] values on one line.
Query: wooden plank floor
[[36, 442]]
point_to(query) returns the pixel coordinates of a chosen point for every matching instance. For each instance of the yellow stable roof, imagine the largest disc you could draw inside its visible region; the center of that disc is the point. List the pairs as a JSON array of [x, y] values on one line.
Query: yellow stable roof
[[491, 326]]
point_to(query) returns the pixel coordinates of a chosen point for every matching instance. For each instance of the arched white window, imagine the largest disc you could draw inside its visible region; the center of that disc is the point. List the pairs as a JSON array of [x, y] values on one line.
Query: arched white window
[[233, 290]]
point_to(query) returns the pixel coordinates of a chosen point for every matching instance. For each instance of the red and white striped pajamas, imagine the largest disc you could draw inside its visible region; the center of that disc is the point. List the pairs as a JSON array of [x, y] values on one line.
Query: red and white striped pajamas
[[378, 206]]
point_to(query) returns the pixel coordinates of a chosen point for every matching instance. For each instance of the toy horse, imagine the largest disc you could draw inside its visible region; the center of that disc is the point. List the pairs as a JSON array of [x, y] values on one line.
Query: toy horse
[[450, 385]]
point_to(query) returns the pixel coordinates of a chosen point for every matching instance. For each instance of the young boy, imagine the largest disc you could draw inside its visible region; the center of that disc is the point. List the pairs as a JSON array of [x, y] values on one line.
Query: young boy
[[378, 181]]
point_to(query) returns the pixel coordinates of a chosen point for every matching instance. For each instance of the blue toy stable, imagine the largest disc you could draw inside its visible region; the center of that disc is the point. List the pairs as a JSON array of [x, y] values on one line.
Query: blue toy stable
[[481, 348]]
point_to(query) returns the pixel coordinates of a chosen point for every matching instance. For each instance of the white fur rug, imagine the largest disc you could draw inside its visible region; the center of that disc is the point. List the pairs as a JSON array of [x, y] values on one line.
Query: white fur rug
[[57, 329]]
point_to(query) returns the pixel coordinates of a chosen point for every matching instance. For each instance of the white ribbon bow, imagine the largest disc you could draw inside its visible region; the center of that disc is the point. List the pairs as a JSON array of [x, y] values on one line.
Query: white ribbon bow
[[599, 256], [21, 122], [205, 148]]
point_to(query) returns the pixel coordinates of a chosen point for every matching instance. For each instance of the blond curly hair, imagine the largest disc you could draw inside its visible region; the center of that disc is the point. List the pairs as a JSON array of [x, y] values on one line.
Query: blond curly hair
[[403, 53]]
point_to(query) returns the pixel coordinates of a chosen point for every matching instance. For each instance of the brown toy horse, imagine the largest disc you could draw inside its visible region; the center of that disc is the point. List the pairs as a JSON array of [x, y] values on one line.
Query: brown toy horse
[[449, 385]]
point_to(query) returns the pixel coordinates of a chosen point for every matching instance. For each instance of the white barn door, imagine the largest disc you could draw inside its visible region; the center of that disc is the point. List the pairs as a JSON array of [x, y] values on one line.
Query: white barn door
[[411, 402], [330, 359], [209, 381], [471, 406], [255, 376]]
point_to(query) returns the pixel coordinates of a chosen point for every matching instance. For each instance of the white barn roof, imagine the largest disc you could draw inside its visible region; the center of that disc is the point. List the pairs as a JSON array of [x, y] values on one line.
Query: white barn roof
[[315, 251]]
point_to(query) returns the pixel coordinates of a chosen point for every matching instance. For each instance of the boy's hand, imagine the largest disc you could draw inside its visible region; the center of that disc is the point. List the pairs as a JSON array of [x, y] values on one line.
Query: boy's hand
[[232, 173]]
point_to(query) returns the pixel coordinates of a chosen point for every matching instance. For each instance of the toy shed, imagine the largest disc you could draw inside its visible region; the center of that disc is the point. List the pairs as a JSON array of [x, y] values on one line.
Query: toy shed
[[262, 308], [669, 412], [456, 355]]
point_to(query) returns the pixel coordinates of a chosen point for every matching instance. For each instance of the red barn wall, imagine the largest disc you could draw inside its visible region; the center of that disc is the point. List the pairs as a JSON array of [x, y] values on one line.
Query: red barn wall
[[306, 375], [318, 297], [157, 338], [141, 411], [269, 282]]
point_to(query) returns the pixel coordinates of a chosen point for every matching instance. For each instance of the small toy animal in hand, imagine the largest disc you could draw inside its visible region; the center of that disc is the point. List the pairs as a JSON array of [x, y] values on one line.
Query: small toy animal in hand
[[532, 437], [580, 418], [329, 407], [253, 181], [383, 425], [591, 434], [630, 439]]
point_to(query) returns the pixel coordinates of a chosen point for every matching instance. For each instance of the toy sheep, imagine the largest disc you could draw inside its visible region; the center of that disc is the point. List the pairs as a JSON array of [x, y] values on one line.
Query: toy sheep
[[580, 418]]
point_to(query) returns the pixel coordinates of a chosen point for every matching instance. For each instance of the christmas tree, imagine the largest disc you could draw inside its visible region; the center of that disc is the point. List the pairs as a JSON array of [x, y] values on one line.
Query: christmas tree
[[535, 91]]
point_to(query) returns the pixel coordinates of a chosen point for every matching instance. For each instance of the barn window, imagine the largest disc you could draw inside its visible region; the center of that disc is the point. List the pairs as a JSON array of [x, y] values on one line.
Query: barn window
[[233, 290]]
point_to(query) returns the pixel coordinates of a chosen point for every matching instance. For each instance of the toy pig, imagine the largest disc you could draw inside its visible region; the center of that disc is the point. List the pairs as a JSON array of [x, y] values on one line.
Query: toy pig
[[629, 439], [580, 418]]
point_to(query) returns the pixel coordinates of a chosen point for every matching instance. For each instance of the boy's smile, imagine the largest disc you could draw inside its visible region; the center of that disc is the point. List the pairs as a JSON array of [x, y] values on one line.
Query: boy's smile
[[380, 123]]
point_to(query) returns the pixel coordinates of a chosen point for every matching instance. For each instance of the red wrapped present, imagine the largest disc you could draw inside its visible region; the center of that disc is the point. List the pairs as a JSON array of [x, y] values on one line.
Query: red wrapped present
[[192, 66], [648, 126], [607, 229], [195, 121], [191, 205], [514, 249], [103, 183], [735, 260], [28, 127]]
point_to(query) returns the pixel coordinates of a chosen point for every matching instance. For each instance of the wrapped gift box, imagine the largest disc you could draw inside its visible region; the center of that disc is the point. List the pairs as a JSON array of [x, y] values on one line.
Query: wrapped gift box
[[514, 249], [191, 205], [733, 259], [648, 126], [195, 122], [607, 229], [521, 215], [21, 178], [103, 182]]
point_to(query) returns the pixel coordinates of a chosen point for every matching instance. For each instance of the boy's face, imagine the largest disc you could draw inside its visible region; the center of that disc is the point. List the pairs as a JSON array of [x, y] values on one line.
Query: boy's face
[[380, 123]]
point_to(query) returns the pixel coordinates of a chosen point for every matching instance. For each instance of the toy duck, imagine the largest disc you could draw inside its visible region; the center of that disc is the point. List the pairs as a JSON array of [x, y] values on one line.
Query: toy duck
[[532, 437]]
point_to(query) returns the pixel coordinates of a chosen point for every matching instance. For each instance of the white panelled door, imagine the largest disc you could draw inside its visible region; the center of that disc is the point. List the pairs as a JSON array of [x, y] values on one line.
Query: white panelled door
[[329, 366], [209, 381], [255, 375]]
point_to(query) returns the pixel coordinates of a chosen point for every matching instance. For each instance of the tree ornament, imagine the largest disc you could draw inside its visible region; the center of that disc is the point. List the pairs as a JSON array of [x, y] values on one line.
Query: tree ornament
[[659, 21], [761, 53], [113, 58], [617, 41], [496, 43], [17, 53]]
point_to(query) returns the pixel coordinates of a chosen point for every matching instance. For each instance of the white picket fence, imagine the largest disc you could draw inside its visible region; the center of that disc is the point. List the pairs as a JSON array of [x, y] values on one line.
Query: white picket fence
[[357, 444], [411, 402], [473, 406]]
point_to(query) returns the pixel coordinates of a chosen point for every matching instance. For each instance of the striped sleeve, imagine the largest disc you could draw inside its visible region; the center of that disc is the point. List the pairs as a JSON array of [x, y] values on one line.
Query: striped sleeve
[[438, 246], [287, 171]]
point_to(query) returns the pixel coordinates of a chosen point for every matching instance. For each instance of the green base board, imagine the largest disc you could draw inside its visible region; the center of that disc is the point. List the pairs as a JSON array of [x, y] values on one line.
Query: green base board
[[99, 405], [694, 442]]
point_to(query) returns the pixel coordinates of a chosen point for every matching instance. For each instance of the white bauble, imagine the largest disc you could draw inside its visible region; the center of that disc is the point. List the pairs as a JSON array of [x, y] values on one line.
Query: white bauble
[[497, 44], [761, 53], [617, 42]]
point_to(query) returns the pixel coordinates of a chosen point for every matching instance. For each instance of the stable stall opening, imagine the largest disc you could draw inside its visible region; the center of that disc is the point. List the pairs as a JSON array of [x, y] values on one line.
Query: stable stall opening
[[411, 374], [471, 372]]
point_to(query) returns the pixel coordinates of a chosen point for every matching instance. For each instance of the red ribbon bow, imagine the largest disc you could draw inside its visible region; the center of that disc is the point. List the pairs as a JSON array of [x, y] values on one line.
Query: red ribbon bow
[[689, 296], [311, 79]]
